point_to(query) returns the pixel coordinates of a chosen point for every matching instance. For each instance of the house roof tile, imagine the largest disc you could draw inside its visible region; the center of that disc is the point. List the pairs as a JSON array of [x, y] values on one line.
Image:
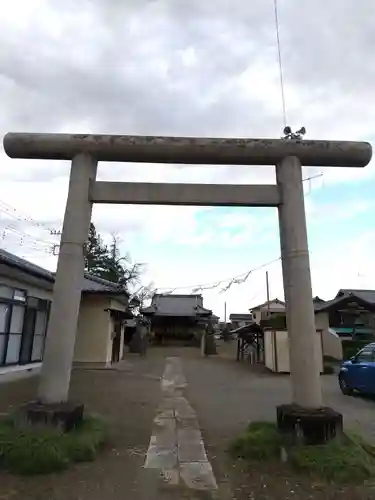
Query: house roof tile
[[177, 305], [273, 301], [91, 284], [239, 317], [367, 296]]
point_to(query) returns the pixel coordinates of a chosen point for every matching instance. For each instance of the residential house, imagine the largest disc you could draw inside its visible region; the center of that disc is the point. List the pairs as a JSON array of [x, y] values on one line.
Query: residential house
[[350, 314], [267, 310], [25, 303], [175, 316], [238, 320]]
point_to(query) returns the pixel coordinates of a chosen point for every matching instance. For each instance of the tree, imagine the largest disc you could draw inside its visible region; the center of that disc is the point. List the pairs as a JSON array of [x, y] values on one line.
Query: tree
[[107, 263], [96, 252], [119, 269]]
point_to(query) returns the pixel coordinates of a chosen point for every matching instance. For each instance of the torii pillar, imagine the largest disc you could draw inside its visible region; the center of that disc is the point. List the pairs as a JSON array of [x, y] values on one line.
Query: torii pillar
[[306, 413]]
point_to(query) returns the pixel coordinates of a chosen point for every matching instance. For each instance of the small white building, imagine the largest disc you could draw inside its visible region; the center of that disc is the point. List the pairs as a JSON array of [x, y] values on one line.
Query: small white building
[[26, 293], [276, 340], [267, 310], [276, 350]]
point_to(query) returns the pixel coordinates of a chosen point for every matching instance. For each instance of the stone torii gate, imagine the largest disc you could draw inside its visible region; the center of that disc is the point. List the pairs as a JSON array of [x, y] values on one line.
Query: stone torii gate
[[85, 151]]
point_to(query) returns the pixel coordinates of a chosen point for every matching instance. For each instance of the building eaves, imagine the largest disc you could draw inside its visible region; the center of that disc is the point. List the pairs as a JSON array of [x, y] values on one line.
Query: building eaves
[[91, 284]]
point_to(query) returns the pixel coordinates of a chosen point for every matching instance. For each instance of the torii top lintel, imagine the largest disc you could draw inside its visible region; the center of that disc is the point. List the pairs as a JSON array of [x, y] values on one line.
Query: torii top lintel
[[187, 150]]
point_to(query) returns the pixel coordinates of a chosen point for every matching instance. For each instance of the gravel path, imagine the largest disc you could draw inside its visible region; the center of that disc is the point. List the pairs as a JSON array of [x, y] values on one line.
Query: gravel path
[[227, 395], [127, 400]]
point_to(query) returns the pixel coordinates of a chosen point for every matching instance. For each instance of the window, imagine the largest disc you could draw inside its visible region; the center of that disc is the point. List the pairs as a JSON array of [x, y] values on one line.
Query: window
[[23, 322], [13, 349], [39, 335], [19, 295], [366, 355], [4, 311], [15, 335], [4, 318], [38, 345], [3, 340], [40, 322], [6, 292], [16, 323]]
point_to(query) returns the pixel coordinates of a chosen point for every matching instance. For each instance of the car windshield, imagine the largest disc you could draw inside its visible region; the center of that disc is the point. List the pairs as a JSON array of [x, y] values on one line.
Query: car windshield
[[366, 354]]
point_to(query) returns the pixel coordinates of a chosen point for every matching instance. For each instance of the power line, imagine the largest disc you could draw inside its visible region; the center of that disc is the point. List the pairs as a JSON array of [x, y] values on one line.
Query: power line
[[13, 229], [10, 228], [14, 212], [280, 63], [227, 282]]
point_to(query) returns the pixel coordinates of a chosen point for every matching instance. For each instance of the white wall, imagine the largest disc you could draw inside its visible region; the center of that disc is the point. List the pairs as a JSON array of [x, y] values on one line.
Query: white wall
[[93, 333], [269, 358], [332, 345], [275, 308], [277, 355], [282, 351], [33, 290]]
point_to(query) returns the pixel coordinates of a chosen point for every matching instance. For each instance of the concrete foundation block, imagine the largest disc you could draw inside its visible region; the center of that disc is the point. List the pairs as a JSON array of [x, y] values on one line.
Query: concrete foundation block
[[309, 426], [65, 416]]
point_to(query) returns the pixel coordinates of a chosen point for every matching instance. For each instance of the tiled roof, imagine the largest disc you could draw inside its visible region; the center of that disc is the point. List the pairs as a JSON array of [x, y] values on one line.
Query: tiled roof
[[272, 301], [91, 284], [177, 305], [25, 265], [239, 317], [345, 293], [366, 295]]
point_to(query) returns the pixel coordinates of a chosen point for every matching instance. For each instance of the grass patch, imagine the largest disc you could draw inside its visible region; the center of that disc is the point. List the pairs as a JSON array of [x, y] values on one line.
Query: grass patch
[[348, 460], [33, 450], [344, 462], [261, 441]]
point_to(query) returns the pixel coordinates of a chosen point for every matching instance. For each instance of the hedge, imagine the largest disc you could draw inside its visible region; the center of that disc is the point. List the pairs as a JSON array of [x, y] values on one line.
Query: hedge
[[351, 347]]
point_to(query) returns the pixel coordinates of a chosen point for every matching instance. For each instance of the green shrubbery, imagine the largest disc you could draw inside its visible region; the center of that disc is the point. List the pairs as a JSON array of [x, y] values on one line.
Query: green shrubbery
[[351, 347], [261, 441], [341, 461], [344, 460], [36, 450], [277, 321]]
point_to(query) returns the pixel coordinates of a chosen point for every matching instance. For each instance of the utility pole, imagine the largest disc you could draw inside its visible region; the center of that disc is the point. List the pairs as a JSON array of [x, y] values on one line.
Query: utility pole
[[225, 312], [268, 295]]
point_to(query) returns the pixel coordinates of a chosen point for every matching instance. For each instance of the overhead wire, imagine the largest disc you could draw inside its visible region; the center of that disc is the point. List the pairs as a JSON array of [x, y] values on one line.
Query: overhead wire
[[281, 76], [25, 238], [14, 212], [227, 282], [238, 279]]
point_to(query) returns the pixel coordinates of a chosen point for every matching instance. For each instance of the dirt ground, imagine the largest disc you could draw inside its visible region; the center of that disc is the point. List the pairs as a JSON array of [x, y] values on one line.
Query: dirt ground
[[127, 400], [226, 396]]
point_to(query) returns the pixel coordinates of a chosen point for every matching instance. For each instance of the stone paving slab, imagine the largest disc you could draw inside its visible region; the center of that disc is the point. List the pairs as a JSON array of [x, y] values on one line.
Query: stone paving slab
[[187, 422], [183, 409], [198, 476], [190, 445], [176, 445], [159, 457]]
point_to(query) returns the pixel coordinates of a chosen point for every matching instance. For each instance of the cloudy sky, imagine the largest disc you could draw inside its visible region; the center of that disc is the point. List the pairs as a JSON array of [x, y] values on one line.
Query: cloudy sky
[[188, 67]]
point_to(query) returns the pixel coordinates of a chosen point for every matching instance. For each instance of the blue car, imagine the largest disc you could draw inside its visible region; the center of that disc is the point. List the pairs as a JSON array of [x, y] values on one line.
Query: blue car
[[358, 373]]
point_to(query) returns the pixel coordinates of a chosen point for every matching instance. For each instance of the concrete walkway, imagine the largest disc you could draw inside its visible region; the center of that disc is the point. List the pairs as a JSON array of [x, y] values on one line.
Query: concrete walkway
[[176, 446]]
